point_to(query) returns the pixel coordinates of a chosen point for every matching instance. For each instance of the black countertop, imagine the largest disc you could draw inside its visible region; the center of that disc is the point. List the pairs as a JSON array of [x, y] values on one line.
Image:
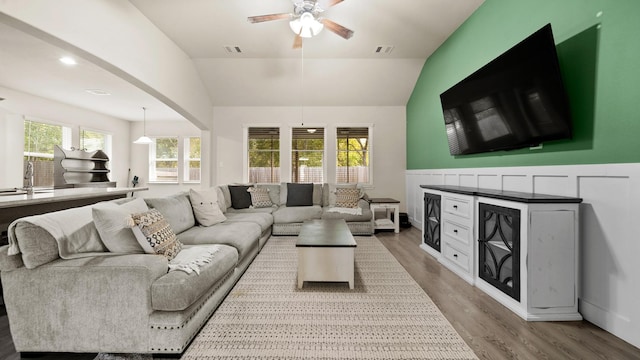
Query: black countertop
[[516, 196]]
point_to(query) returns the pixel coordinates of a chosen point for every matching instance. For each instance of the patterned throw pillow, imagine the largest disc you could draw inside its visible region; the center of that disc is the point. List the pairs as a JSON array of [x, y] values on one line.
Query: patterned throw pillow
[[260, 197], [155, 235], [347, 198]]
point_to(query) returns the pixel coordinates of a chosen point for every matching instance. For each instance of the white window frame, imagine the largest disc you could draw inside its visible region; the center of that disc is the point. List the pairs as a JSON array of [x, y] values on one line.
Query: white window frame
[[182, 160], [187, 159], [324, 151], [245, 148], [370, 149], [108, 140]]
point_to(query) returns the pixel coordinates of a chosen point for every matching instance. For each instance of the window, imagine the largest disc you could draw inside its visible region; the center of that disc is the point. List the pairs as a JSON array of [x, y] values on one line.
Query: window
[[263, 154], [163, 156], [39, 141], [352, 162], [192, 159], [174, 159], [95, 140], [307, 155]]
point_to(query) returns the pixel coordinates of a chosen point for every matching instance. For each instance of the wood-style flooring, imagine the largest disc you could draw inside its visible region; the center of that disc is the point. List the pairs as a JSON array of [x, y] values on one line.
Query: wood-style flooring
[[490, 329]]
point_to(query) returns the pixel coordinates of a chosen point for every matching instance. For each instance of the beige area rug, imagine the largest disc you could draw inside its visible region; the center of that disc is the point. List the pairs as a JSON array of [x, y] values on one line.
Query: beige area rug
[[386, 316]]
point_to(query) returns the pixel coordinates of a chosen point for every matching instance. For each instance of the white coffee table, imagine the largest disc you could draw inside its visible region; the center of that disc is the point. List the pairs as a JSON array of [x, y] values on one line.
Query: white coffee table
[[326, 252]]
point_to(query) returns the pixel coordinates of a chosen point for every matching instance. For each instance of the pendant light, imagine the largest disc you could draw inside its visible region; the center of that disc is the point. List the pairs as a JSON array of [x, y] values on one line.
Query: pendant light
[[144, 140]]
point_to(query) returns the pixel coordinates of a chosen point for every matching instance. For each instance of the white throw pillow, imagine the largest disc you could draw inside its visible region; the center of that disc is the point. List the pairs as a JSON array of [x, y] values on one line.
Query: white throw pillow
[[112, 222], [206, 208]]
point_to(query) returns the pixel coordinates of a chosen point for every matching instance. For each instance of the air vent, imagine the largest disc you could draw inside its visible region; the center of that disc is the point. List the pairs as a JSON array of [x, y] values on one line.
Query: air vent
[[383, 49], [232, 49]]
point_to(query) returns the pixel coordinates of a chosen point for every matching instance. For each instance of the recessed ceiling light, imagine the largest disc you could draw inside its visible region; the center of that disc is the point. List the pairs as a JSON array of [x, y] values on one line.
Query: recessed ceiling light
[[68, 60], [97, 92]]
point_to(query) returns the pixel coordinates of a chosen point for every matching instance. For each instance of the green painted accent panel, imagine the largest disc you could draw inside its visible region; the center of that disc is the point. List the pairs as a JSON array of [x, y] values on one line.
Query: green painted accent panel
[[598, 52]]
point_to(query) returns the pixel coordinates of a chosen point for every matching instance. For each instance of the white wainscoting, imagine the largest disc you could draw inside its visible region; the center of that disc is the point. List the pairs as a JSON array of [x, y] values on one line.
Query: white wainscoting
[[609, 228]]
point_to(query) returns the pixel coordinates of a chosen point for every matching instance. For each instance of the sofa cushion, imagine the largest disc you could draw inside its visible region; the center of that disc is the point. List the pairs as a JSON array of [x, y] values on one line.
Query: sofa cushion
[[154, 234], [226, 198], [176, 209], [111, 221], [241, 235], [299, 194], [296, 214], [177, 290], [260, 197], [265, 220], [205, 207], [347, 198], [240, 197]]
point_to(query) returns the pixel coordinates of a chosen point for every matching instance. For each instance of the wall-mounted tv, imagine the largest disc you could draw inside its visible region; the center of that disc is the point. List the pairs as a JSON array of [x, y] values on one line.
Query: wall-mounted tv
[[517, 100]]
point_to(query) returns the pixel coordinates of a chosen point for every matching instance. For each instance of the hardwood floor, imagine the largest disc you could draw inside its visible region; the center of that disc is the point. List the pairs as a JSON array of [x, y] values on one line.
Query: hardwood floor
[[490, 329]]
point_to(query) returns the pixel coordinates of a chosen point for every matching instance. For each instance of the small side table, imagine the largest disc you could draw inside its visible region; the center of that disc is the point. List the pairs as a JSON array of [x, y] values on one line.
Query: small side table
[[388, 205]]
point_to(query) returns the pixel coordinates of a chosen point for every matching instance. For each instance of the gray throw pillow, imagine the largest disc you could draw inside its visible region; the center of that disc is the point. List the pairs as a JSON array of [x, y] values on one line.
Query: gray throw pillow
[[299, 194]]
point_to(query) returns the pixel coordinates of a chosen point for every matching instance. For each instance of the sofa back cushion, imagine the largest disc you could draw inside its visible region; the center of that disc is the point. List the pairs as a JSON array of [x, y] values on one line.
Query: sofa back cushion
[[176, 209], [224, 198], [274, 192], [111, 220]]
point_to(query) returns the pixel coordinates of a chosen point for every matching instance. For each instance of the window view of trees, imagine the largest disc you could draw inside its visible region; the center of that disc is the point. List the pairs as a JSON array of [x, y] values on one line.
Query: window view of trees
[[192, 159], [39, 140], [264, 154], [352, 155], [94, 140], [164, 159], [307, 155]]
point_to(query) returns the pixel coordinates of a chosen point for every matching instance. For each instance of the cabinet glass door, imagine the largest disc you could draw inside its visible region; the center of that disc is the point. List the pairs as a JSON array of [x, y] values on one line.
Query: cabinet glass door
[[499, 248], [432, 220]]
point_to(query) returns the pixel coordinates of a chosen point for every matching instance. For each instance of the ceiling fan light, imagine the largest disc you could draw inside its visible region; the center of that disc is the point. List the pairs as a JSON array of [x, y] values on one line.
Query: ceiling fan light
[[306, 25]]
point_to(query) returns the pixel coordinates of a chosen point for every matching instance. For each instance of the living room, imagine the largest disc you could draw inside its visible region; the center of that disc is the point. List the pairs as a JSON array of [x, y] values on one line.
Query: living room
[[409, 140]]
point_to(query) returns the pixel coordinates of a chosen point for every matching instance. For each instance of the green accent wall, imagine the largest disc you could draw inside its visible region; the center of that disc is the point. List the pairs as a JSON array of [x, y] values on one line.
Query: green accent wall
[[599, 52]]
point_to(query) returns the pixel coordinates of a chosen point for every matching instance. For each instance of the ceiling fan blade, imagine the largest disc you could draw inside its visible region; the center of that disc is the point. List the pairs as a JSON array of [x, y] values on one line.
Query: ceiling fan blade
[[330, 3], [297, 42], [270, 17], [337, 28]]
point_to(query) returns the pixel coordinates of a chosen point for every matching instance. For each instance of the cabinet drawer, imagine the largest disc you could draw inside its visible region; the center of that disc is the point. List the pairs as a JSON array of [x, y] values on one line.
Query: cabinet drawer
[[458, 207], [458, 232], [457, 257]]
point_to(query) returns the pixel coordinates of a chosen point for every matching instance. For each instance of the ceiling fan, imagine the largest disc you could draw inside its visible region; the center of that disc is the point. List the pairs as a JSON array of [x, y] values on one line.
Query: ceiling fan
[[305, 20]]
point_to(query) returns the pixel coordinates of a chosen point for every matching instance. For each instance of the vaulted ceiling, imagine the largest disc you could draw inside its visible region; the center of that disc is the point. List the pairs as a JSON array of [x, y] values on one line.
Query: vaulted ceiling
[[327, 71]]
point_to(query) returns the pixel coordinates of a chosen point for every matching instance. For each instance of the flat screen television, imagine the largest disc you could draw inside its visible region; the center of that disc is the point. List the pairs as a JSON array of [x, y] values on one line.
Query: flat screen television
[[517, 100]]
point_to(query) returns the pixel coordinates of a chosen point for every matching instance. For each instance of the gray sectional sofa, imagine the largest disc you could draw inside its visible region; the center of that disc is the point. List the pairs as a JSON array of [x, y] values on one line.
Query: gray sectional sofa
[[75, 296]]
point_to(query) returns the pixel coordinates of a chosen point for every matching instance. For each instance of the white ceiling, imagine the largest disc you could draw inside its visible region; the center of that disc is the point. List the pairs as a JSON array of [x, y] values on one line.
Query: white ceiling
[[268, 72]]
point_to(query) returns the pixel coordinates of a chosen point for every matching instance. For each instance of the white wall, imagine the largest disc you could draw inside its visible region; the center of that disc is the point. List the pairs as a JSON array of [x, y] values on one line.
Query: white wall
[[18, 105], [388, 145], [609, 246], [117, 37]]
